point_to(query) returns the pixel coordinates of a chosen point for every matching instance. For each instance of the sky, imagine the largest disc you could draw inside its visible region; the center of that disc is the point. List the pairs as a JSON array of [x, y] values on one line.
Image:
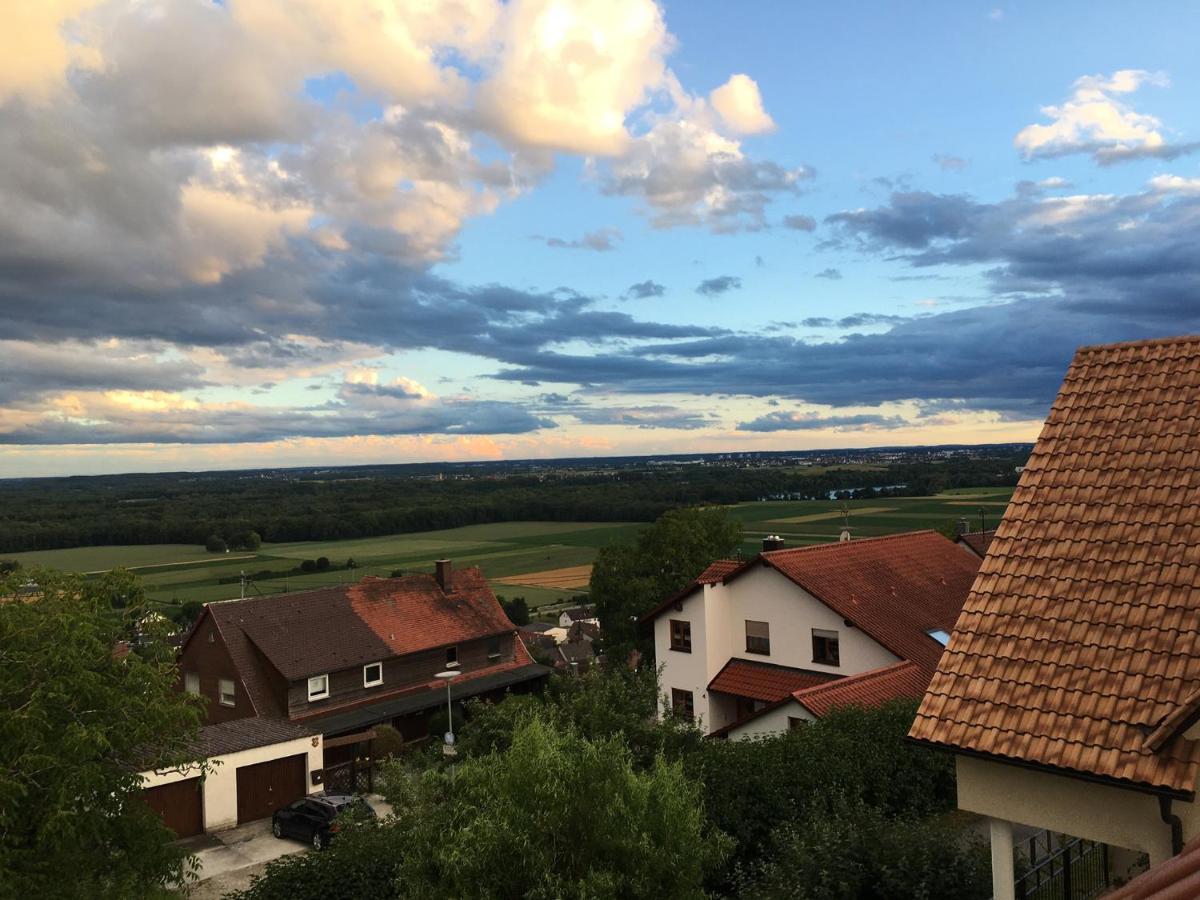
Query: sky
[[261, 233]]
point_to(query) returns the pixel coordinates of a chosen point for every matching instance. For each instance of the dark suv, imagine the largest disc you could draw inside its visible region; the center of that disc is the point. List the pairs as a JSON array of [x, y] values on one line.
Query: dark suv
[[314, 819]]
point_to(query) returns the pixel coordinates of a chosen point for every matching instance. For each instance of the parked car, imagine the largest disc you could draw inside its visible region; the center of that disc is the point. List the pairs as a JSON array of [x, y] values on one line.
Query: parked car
[[315, 819]]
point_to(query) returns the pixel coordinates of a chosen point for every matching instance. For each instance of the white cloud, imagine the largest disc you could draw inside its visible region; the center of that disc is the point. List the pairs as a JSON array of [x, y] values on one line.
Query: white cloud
[[1095, 120], [570, 73], [740, 105], [35, 48]]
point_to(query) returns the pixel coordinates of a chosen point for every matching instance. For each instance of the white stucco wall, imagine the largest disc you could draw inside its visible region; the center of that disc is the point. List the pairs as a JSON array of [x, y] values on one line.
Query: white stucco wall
[[685, 671], [1097, 812], [220, 785], [718, 615], [771, 723]]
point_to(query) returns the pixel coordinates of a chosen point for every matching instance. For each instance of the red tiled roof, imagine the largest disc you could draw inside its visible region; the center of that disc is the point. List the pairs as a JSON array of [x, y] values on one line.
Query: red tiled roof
[[718, 571], [1081, 635], [1178, 878], [878, 686], [895, 588], [764, 681], [337, 627], [977, 541]]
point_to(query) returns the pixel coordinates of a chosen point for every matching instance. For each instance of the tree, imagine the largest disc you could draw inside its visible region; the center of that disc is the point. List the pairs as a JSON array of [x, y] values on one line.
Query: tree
[[351, 564], [630, 577], [308, 565], [517, 610], [322, 563], [78, 721], [188, 612], [215, 544], [247, 540]]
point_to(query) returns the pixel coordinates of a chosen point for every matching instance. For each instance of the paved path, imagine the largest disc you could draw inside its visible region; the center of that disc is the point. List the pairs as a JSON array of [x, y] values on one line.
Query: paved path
[[228, 859]]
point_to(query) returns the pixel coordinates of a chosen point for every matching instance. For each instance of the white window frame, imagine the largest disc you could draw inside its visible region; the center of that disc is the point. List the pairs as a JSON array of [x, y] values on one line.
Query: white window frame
[[323, 691], [368, 682], [191, 682], [231, 693]]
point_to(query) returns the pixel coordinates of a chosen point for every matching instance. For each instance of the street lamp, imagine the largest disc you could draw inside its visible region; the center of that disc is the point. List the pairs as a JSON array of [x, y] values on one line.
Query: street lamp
[[448, 747]]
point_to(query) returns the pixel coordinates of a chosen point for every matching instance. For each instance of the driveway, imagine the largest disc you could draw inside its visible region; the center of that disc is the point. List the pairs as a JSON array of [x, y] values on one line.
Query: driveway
[[228, 859]]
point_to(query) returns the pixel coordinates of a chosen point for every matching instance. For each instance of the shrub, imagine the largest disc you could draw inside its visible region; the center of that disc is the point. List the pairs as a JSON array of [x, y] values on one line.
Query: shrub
[[322, 563], [215, 544], [388, 742], [308, 565]]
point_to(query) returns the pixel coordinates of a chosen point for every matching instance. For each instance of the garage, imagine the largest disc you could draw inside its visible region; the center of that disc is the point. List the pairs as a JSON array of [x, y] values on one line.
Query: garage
[[265, 787], [180, 804]]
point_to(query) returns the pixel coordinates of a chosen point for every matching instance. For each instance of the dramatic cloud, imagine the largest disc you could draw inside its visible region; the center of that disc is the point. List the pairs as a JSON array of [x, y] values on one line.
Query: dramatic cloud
[[1095, 120], [791, 421], [601, 241], [740, 106], [644, 290], [722, 284]]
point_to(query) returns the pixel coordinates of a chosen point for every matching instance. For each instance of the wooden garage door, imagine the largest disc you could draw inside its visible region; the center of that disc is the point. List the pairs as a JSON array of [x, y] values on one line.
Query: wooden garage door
[[265, 787], [180, 804]]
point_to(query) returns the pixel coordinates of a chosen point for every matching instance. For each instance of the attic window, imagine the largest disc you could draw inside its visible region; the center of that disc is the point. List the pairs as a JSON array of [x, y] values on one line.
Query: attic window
[[318, 687], [493, 648], [940, 636]]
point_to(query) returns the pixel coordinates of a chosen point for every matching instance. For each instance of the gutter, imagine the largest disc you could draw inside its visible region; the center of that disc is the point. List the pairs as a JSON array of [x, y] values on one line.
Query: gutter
[[1164, 812]]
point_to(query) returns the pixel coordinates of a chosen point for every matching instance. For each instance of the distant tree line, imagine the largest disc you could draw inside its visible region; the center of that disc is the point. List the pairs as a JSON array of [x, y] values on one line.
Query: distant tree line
[[239, 512]]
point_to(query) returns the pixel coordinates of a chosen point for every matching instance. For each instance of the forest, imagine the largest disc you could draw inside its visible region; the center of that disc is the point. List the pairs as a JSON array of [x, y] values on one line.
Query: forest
[[185, 508]]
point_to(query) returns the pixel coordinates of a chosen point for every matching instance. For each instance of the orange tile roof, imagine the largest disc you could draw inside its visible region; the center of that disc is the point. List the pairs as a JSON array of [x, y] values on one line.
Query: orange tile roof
[[1080, 639], [718, 571], [764, 681], [895, 588], [878, 686]]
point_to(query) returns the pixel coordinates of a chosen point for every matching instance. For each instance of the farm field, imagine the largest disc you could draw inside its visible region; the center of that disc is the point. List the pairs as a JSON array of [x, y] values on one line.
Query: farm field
[[547, 563]]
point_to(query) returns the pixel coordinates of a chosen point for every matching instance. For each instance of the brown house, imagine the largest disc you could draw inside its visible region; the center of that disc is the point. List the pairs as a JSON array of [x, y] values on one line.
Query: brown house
[[343, 659]]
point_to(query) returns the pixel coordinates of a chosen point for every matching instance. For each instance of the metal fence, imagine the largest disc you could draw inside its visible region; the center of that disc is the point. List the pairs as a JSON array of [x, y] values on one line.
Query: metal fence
[[1068, 869]]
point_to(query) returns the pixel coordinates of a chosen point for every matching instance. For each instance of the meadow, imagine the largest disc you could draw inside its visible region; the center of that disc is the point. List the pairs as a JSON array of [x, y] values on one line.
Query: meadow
[[507, 551]]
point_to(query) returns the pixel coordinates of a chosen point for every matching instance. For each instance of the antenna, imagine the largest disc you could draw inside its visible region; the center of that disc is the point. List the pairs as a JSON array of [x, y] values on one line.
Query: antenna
[[243, 580], [845, 510], [982, 520]]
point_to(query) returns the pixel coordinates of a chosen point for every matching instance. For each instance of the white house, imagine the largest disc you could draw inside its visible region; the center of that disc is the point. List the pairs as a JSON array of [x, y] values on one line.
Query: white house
[[755, 647]]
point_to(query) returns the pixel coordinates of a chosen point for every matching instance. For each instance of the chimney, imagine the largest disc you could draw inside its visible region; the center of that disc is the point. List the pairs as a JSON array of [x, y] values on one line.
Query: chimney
[[963, 526], [772, 542], [444, 577]]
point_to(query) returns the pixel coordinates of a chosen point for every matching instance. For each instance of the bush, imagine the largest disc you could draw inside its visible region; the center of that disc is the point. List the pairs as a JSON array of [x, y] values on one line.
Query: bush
[[308, 565], [322, 563], [840, 849], [215, 544], [388, 742]]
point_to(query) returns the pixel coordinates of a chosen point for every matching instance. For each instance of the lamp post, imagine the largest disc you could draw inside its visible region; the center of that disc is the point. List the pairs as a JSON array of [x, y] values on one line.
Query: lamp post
[[448, 747]]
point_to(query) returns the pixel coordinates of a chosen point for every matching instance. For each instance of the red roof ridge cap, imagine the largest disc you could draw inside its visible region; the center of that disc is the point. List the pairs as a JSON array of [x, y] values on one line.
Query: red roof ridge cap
[[856, 542], [857, 678]]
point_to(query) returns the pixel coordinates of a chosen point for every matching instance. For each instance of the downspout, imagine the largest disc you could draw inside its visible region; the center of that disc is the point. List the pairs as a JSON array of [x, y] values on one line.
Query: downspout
[[1164, 811]]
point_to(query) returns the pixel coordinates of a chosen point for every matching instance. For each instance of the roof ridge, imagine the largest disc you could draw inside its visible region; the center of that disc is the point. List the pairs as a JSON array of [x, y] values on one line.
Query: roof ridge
[[1144, 342], [859, 677], [856, 542]]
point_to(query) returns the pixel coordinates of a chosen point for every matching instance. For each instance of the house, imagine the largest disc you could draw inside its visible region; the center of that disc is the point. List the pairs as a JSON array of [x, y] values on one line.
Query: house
[[256, 766], [1069, 689], [976, 541], [756, 647], [569, 617], [343, 659]]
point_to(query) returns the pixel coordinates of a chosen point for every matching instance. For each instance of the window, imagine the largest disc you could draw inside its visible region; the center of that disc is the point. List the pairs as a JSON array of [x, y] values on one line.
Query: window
[[493, 648], [939, 635], [795, 722], [681, 635], [372, 675], [228, 697], [758, 637], [191, 682], [451, 656], [682, 704], [825, 647], [318, 687]]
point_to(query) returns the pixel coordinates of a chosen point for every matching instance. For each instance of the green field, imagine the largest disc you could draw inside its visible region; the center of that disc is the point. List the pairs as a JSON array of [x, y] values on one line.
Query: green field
[[175, 573]]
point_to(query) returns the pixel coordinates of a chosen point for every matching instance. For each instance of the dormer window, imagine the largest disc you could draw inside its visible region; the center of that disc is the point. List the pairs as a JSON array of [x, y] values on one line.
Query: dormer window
[[373, 674], [318, 687]]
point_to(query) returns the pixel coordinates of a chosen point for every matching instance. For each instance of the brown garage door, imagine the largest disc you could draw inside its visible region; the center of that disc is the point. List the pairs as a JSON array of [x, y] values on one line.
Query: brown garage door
[[180, 804], [265, 787]]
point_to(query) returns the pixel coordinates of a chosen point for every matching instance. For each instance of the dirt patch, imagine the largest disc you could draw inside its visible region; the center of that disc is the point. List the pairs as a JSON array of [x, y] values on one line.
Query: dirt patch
[[570, 578], [836, 514]]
